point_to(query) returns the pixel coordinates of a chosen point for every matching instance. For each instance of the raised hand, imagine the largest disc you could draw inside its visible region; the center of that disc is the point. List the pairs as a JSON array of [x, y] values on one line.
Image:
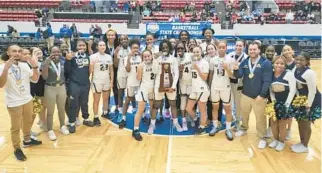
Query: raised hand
[[70, 55], [33, 61], [9, 63], [236, 66]]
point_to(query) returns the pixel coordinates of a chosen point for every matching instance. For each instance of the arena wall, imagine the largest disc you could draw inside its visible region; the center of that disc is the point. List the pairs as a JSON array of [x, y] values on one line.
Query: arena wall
[[255, 31]]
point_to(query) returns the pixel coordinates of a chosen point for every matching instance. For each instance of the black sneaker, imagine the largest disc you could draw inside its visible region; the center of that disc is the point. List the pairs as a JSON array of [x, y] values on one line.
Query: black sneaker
[[72, 129], [88, 123], [107, 116], [97, 122], [122, 124], [200, 131], [19, 155], [136, 135], [32, 142], [146, 120]]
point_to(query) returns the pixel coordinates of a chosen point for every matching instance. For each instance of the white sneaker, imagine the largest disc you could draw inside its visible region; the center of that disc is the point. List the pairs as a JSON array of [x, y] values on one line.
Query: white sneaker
[[151, 129], [64, 130], [280, 146], [77, 122], [261, 144], [273, 144], [193, 123], [240, 133], [296, 145], [288, 135], [178, 127], [300, 149], [184, 126], [52, 135]]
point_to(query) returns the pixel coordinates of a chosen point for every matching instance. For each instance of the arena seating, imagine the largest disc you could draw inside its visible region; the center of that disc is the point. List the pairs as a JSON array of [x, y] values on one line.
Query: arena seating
[[30, 3], [25, 42], [89, 21], [17, 16], [288, 4]]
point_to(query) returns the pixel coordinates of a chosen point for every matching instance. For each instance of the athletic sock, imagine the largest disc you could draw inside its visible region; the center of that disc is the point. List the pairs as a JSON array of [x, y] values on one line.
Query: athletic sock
[[86, 119], [195, 119], [124, 117], [72, 124], [202, 127], [184, 119], [228, 125], [175, 120], [96, 116], [153, 121], [136, 128], [104, 112], [215, 123]]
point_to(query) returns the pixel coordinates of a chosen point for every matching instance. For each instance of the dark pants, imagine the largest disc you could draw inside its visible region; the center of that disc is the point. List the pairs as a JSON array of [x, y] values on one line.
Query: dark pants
[[78, 100], [115, 90]]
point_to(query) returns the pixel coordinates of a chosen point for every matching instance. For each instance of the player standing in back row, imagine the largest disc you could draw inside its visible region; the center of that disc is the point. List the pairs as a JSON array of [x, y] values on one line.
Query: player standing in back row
[[101, 68]]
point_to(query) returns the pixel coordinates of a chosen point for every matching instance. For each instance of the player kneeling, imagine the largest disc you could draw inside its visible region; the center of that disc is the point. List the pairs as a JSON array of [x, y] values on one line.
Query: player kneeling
[[146, 76]]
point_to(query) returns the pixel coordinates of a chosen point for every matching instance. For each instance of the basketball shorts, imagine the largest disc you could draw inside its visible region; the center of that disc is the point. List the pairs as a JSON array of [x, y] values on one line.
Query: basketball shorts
[[200, 96], [223, 95]]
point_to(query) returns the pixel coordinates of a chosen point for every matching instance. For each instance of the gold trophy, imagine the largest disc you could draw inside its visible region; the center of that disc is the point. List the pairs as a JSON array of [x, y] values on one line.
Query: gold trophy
[[166, 78]]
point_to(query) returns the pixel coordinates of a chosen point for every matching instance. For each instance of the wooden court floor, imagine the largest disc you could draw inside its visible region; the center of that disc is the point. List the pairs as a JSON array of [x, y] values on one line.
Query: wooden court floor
[[107, 149]]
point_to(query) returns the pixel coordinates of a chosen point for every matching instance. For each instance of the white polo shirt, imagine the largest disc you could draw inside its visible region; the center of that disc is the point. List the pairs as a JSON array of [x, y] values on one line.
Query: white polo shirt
[[13, 95]]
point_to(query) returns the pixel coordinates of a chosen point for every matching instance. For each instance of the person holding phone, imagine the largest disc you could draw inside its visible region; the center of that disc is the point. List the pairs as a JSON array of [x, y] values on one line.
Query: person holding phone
[[15, 78], [55, 91]]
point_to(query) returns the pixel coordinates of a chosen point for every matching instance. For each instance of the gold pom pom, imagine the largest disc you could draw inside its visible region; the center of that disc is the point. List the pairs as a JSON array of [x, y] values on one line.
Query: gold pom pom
[[300, 101], [270, 111], [37, 105]]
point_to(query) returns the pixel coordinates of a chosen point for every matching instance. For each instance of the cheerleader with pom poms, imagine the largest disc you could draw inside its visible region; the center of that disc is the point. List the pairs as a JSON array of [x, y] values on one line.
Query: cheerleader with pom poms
[[282, 92], [308, 103]]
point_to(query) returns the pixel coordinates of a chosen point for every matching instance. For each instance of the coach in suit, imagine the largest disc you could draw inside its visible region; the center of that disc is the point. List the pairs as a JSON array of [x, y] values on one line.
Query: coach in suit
[[257, 75]]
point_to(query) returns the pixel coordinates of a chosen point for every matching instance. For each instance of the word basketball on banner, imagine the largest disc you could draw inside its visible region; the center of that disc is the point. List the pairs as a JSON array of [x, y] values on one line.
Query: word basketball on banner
[[173, 29]]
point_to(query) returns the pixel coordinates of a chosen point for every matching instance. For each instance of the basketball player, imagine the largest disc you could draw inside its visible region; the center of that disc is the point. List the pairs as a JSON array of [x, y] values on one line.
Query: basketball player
[[207, 34], [101, 69], [220, 73], [236, 84], [119, 60], [146, 76], [200, 90], [15, 78], [170, 64], [257, 75], [132, 61], [185, 80]]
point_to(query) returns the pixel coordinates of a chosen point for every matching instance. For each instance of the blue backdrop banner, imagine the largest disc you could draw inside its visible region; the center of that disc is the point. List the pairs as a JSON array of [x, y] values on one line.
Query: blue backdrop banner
[[173, 29]]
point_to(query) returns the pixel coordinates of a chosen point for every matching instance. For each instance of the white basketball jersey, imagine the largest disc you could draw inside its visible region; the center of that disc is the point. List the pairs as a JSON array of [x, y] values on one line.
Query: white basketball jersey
[[186, 78], [220, 79], [121, 72], [131, 76], [157, 68], [101, 73], [148, 77], [198, 84]]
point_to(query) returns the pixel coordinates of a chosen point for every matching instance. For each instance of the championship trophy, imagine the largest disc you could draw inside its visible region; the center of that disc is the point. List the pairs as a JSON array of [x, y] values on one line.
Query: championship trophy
[[166, 78]]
